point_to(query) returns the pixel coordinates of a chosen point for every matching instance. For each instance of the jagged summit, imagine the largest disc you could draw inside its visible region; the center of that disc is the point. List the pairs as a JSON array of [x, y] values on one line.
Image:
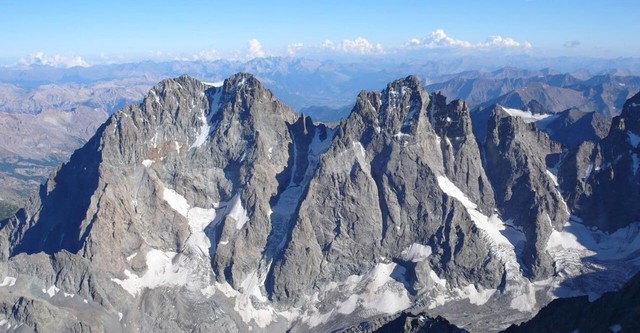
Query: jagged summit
[[219, 208]]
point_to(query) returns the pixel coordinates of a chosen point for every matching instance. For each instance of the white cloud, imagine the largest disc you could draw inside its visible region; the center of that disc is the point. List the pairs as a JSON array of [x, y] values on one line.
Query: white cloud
[[39, 58], [572, 43], [292, 49], [359, 45], [208, 55], [255, 49], [439, 39], [504, 42]]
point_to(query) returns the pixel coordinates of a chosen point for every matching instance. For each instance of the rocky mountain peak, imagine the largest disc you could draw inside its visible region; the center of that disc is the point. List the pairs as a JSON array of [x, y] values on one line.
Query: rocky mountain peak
[[217, 207], [631, 113], [403, 103]]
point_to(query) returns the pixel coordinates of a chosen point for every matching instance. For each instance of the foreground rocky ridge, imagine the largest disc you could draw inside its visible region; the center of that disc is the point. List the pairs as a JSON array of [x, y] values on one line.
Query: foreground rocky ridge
[[218, 208]]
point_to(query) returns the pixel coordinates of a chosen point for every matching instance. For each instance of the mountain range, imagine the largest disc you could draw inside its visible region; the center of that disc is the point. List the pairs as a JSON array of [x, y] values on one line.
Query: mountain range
[[46, 112], [216, 207]]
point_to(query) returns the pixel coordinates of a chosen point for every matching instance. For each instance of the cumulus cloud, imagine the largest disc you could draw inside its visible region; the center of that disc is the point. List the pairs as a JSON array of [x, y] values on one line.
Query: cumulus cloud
[[504, 42], [439, 39], [39, 58], [255, 49], [293, 49], [571, 43], [359, 45]]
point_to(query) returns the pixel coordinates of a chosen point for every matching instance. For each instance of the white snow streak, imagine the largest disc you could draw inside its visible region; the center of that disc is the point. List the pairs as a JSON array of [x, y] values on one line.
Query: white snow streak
[[238, 213], [8, 281], [527, 116], [553, 177], [216, 84], [204, 131]]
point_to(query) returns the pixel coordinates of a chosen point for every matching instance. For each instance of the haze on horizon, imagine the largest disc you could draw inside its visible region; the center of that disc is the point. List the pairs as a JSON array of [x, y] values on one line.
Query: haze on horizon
[[71, 33]]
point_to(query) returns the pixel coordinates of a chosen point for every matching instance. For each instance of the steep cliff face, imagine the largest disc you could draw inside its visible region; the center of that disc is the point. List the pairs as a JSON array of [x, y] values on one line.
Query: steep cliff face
[[384, 188], [218, 208], [607, 188], [520, 162]]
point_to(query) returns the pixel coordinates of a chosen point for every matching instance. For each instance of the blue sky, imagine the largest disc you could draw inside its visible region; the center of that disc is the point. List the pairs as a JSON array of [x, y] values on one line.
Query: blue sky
[[89, 32]]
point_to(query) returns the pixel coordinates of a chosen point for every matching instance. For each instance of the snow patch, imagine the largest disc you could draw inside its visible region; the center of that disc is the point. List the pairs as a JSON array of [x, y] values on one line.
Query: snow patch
[[524, 302], [160, 272], [417, 252], [618, 245], [147, 163], [199, 219], [450, 189], [380, 293], [204, 131], [348, 306], [9, 281], [437, 280], [360, 149], [52, 291], [129, 258], [477, 296], [216, 84], [378, 290], [176, 201], [264, 314], [238, 213], [205, 128], [527, 116]]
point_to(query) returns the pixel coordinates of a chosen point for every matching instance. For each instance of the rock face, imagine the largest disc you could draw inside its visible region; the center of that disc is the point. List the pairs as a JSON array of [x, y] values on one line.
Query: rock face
[[608, 182], [572, 127], [517, 162], [378, 192], [217, 208]]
